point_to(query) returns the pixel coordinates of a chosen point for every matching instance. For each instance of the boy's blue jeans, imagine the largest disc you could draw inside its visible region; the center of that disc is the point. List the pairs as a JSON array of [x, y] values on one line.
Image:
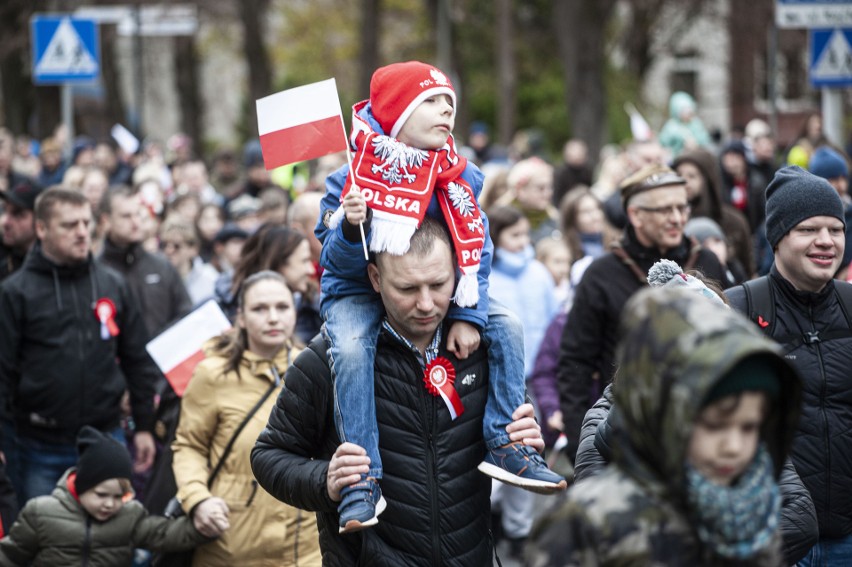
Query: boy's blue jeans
[[351, 328], [829, 552]]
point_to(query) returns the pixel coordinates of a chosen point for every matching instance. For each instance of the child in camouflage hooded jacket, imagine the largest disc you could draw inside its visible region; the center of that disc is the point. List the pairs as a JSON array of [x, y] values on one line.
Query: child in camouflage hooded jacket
[[704, 414]]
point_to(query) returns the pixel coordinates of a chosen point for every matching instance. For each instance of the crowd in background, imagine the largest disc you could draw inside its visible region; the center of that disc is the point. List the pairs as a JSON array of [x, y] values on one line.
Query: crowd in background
[[211, 222]]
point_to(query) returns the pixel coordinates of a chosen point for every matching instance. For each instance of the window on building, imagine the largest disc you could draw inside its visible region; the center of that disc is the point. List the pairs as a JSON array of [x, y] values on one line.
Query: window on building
[[684, 74]]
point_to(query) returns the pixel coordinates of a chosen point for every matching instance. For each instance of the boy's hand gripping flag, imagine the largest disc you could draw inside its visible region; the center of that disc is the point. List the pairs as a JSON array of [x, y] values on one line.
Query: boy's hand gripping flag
[[301, 124]]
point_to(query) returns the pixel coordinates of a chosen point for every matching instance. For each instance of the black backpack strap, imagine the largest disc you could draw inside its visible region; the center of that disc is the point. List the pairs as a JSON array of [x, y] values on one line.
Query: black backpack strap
[[843, 292], [761, 309], [760, 303], [844, 298]]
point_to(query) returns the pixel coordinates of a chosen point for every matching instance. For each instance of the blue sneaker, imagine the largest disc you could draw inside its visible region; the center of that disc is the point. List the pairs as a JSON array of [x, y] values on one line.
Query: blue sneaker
[[520, 465], [361, 505]]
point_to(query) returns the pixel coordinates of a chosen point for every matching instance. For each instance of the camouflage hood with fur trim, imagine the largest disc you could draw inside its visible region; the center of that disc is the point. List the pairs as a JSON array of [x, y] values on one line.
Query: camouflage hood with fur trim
[[674, 347]]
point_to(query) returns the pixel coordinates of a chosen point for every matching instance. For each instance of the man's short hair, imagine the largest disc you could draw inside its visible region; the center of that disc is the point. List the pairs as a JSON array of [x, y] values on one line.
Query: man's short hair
[[105, 206], [424, 238], [48, 199]]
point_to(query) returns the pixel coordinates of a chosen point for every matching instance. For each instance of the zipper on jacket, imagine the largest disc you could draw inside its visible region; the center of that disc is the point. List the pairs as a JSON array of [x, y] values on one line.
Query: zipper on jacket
[[87, 541], [823, 416], [429, 418], [433, 460], [81, 353]]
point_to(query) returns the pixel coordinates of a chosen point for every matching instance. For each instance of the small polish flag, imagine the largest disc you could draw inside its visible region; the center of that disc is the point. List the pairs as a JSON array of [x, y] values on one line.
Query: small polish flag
[[639, 127], [177, 350], [300, 124]]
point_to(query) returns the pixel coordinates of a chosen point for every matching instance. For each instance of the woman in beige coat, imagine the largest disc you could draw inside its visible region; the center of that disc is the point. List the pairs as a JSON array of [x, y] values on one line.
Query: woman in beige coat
[[254, 529]]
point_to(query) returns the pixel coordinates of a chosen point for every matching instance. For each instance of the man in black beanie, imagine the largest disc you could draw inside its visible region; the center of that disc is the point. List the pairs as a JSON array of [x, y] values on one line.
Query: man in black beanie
[[801, 306]]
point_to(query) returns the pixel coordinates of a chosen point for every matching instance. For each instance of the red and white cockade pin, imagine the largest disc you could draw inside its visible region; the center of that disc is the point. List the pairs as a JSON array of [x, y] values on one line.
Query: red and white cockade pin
[[105, 312], [440, 377]]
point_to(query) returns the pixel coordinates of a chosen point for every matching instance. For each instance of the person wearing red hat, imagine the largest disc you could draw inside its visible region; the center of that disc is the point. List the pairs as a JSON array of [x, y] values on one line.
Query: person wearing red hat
[[405, 167]]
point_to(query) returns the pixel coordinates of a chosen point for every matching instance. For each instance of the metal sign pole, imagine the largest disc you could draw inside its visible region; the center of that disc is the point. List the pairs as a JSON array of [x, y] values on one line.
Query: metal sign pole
[[832, 115], [68, 118]]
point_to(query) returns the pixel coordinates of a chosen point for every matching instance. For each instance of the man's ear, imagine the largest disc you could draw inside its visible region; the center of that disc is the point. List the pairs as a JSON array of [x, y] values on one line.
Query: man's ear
[[104, 222], [633, 217], [41, 229], [375, 277]]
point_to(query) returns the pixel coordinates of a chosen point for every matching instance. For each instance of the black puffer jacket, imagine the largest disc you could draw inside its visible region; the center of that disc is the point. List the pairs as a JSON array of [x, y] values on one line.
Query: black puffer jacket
[[438, 501], [156, 286], [822, 449], [55, 368], [587, 348], [798, 524]]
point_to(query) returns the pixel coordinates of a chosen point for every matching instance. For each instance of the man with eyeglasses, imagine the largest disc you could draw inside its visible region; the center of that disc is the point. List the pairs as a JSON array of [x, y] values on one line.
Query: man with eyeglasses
[[655, 202]]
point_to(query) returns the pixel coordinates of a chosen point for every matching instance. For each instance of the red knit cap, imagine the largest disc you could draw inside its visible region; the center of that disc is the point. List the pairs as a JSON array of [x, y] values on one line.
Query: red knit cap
[[397, 89]]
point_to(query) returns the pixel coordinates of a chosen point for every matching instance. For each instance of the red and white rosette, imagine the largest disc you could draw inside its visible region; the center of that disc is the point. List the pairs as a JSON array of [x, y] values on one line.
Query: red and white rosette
[[440, 377], [105, 312]]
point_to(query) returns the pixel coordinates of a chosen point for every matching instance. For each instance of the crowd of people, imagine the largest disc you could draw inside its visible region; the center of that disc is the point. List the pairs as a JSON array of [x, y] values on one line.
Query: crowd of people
[[392, 407]]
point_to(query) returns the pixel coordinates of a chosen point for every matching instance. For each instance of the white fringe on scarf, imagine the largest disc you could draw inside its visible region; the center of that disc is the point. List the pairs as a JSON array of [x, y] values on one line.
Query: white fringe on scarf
[[390, 236], [336, 218], [467, 291]]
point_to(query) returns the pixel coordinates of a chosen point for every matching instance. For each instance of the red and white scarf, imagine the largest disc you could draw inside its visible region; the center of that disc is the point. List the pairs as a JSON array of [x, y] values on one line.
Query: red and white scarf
[[397, 182]]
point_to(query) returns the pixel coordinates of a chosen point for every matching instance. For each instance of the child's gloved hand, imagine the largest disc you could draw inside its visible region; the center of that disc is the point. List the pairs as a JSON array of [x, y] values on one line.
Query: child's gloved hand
[[462, 339], [355, 206]]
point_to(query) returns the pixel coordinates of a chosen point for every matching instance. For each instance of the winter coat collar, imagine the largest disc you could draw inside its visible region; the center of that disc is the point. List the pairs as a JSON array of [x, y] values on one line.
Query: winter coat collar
[[123, 256], [803, 299], [645, 256], [38, 262]]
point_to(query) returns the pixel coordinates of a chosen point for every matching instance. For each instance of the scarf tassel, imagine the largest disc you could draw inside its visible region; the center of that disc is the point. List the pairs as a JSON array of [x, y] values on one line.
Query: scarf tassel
[[389, 236], [336, 218], [467, 291]]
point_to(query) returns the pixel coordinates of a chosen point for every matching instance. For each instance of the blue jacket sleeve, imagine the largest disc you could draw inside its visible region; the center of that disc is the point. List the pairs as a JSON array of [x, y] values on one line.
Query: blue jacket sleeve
[[343, 261]]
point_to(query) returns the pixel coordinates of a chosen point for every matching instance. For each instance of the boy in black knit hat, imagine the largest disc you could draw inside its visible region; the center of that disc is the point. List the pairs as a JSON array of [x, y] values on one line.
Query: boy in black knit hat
[[91, 515]]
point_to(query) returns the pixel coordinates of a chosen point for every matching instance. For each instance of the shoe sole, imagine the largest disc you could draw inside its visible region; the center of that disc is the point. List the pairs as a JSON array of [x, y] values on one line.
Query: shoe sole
[[356, 526], [537, 486]]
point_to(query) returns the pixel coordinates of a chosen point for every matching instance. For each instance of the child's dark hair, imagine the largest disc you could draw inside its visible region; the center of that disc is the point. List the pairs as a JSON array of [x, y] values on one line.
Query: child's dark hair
[[500, 218]]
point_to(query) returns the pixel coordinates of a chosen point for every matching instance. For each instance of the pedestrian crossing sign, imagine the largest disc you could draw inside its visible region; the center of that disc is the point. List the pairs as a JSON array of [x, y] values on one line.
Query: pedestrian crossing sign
[[831, 57], [65, 49]]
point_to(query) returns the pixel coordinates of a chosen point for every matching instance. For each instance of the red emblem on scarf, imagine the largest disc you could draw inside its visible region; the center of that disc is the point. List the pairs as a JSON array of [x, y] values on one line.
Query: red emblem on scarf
[[105, 312], [440, 377], [398, 182]]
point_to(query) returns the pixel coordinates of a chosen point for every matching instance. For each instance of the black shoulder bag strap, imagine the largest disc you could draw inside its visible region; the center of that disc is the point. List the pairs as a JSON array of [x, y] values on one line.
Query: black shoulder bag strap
[[242, 425]]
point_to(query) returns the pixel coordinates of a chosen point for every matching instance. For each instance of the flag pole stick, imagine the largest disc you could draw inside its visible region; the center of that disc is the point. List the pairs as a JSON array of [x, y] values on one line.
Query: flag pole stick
[[352, 176]]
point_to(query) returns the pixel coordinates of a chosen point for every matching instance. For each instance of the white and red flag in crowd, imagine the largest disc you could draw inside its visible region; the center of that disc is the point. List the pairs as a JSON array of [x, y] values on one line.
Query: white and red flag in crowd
[[301, 124], [178, 349]]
